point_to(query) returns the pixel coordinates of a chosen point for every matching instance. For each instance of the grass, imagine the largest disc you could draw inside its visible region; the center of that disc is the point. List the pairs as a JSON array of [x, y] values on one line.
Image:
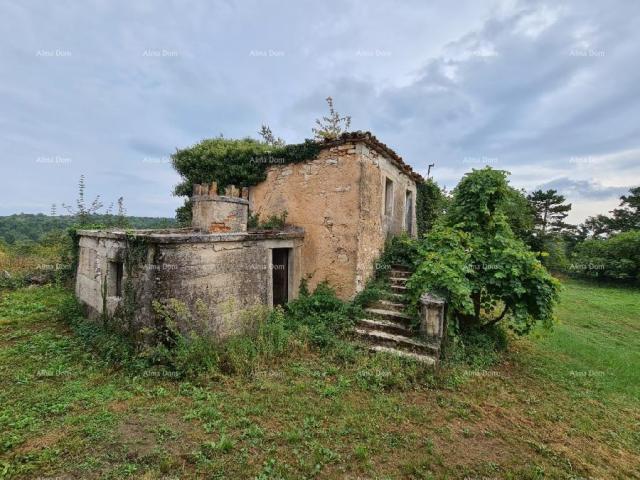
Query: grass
[[561, 404]]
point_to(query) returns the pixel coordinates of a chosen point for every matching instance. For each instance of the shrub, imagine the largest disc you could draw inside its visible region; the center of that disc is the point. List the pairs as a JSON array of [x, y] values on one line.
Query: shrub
[[475, 261], [400, 250], [323, 314], [431, 203], [274, 222], [616, 258]]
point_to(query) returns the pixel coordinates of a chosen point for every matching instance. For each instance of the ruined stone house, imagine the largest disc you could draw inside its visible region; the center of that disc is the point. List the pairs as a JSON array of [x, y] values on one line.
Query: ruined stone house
[[341, 207]]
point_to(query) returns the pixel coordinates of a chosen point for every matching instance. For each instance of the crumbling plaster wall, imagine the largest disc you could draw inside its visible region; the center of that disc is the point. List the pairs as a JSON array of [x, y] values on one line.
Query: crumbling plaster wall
[[339, 200], [321, 196], [227, 277], [95, 289], [375, 226]]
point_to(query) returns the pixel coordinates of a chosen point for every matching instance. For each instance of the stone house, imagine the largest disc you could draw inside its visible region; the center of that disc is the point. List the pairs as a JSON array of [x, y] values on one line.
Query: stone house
[[341, 206]]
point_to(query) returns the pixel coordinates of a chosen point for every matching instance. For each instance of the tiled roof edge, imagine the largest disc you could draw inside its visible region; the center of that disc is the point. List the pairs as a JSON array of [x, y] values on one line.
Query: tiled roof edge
[[370, 140]]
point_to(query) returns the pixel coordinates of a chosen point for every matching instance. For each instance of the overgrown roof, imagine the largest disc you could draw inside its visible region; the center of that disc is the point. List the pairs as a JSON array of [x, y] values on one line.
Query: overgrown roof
[[372, 142]]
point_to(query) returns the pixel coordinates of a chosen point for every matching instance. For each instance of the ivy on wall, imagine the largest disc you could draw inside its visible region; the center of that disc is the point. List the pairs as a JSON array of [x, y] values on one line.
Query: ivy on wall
[[242, 163], [430, 204]]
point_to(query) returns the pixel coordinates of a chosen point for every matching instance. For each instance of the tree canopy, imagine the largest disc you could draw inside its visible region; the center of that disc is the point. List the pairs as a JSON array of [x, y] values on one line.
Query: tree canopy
[[474, 259]]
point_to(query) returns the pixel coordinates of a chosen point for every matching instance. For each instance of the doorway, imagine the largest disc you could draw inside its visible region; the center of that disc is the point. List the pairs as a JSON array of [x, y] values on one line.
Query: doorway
[[280, 275]]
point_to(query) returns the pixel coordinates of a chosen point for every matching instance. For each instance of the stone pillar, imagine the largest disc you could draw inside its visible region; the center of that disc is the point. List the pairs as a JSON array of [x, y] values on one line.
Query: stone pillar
[[218, 213], [432, 316]]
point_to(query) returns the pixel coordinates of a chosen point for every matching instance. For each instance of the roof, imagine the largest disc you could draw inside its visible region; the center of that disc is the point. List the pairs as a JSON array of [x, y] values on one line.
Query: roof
[[372, 142]]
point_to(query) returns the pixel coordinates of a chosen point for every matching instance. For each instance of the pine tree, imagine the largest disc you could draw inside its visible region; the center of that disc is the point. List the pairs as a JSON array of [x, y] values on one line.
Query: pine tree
[[628, 216], [550, 210]]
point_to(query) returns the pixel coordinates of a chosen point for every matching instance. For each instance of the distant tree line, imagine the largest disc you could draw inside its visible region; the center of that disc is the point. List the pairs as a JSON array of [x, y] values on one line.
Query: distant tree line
[[26, 227]]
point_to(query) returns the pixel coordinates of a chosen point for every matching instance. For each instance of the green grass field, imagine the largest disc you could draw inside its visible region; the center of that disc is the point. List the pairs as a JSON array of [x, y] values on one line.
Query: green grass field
[[560, 404]]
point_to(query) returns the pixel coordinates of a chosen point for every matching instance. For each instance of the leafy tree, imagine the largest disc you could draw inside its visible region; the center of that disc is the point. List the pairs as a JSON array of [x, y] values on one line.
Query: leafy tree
[[330, 127], [430, 204], [550, 210], [616, 258], [520, 215], [598, 226], [473, 258]]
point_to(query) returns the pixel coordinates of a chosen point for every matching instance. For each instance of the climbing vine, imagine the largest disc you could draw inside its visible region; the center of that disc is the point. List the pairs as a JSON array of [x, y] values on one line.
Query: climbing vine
[[135, 254], [430, 204], [242, 163]]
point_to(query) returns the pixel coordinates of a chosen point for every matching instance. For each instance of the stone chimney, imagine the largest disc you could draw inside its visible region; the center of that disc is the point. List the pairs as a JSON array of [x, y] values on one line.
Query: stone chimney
[[215, 213]]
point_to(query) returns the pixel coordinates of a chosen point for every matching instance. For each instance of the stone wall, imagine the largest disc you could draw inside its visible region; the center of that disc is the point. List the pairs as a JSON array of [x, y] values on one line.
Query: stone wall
[[322, 196], [339, 200], [215, 213], [218, 278], [375, 226]]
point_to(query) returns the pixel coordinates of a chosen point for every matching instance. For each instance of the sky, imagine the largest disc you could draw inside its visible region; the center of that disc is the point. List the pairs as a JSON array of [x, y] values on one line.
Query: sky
[[110, 89]]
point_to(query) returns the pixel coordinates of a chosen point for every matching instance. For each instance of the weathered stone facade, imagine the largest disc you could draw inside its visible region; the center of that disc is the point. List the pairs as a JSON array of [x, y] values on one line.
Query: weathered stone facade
[[341, 207], [224, 273], [339, 199]]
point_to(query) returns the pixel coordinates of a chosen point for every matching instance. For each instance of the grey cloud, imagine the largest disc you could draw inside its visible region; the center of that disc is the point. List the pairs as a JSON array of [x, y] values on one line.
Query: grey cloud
[[467, 80], [583, 189]]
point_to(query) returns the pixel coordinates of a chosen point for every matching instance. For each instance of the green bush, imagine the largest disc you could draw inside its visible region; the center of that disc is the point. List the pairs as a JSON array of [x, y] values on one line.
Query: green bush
[[274, 222], [400, 250], [431, 202], [475, 261], [616, 258], [323, 314]]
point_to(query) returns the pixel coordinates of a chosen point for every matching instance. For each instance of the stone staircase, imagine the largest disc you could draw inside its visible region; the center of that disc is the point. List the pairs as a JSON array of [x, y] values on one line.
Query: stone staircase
[[387, 328]]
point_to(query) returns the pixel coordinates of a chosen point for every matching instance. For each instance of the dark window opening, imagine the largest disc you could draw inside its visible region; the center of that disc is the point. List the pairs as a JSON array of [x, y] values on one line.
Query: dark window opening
[[280, 275], [388, 197]]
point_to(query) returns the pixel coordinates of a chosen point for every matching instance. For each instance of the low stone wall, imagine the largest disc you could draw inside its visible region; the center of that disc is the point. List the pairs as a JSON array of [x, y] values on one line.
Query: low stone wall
[[215, 279]]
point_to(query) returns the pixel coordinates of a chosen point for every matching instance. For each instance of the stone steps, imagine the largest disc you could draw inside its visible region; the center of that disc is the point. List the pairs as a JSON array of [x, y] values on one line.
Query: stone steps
[[396, 341], [397, 297], [388, 326], [398, 289], [391, 315], [428, 359], [389, 305], [399, 274]]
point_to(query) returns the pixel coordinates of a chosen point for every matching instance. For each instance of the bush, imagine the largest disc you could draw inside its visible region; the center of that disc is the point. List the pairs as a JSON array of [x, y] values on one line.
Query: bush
[[322, 313], [400, 250], [474, 260], [431, 203], [616, 258]]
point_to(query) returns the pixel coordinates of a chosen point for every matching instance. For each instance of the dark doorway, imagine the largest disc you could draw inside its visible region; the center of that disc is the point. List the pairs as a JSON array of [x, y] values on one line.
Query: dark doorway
[[280, 273]]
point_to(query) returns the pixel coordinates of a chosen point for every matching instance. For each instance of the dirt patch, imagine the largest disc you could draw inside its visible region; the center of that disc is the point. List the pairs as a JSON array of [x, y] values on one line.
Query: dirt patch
[[143, 435], [47, 440]]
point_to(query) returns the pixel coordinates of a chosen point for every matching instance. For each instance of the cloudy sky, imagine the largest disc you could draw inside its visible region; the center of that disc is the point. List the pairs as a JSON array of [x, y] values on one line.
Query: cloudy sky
[[109, 89]]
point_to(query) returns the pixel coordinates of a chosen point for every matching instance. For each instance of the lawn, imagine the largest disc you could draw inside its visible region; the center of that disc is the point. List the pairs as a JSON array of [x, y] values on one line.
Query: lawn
[[560, 404]]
